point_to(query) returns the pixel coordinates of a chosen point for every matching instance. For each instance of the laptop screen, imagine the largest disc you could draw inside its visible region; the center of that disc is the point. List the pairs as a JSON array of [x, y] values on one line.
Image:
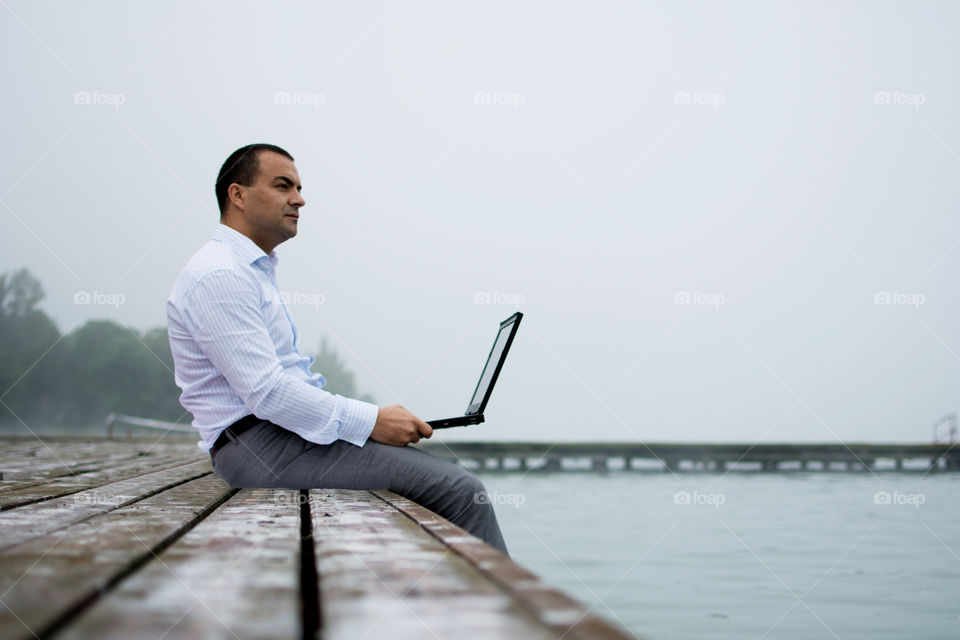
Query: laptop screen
[[494, 361]]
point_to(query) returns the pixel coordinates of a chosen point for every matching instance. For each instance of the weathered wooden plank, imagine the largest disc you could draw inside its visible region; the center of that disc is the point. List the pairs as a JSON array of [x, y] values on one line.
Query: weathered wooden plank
[[35, 492], [45, 489], [65, 450], [381, 576], [46, 580], [565, 616], [39, 454], [41, 518], [26, 470], [235, 575], [42, 461]]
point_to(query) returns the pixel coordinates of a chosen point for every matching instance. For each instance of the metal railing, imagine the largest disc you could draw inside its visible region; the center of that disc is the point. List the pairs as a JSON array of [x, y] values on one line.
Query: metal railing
[[149, 423], [950, 420]]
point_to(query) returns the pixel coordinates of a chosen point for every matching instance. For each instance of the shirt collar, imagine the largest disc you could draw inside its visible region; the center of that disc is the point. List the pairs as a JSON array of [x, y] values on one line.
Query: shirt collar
[[245, 248]]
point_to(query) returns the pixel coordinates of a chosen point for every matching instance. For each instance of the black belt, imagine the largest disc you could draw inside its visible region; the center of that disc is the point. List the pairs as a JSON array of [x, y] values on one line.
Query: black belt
[[238, 427]]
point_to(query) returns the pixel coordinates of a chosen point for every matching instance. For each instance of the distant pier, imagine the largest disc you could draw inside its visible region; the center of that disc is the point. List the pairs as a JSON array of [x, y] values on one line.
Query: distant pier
[[698, 457]]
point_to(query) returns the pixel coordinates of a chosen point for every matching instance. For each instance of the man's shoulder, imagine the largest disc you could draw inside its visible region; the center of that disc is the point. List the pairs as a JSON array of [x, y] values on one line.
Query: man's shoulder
[[213, 258]]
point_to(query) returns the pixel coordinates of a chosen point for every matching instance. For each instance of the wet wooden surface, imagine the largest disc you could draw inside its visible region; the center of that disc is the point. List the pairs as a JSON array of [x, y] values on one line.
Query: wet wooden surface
[[139, 539], [382, 577], [33, 471], [235, 574]]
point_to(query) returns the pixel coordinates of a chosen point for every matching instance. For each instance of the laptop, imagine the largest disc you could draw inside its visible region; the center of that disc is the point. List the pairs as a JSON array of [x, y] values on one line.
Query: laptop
[[488, 378]]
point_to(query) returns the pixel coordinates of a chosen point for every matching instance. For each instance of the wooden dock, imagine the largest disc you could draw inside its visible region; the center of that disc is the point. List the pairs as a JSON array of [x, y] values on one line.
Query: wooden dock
[[140, 539]]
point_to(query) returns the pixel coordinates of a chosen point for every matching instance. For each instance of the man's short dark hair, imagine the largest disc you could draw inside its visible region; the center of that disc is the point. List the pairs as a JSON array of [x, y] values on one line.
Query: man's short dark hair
[[242, 167]]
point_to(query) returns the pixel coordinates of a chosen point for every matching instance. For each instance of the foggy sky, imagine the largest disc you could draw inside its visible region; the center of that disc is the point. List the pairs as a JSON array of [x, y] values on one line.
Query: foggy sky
[[701, 207]]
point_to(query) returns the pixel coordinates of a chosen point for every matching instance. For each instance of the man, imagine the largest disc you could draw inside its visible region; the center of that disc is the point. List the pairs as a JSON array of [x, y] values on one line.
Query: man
[[259, 409]]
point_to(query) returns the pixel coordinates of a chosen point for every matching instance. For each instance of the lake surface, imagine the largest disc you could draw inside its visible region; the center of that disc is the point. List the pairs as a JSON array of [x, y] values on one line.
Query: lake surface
[[745, 555]]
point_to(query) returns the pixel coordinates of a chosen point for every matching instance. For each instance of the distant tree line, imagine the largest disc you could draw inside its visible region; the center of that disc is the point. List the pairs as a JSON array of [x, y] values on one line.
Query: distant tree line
[[101, 367]]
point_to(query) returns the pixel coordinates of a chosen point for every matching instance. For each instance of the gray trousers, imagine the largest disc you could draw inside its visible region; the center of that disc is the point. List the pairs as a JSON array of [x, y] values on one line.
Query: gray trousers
[[269, 456]]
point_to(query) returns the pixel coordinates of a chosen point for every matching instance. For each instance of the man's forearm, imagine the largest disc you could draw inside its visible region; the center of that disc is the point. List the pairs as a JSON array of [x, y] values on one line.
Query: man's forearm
[[316, 415]]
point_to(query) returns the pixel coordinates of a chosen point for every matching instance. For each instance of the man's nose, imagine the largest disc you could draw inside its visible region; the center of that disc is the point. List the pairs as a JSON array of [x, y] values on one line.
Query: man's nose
[[298, 201]]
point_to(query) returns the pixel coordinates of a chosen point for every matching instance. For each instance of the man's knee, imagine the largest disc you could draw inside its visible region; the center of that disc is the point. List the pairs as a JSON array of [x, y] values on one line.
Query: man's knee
[[469, 487]]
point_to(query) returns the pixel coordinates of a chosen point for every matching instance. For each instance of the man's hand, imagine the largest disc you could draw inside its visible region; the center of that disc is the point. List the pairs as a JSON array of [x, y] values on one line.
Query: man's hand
[[398, 427]]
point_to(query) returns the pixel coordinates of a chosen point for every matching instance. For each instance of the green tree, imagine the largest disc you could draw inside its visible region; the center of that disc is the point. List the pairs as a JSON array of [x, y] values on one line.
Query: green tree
[[340, 380], [110, 368], [20, 293], [163, 401], [27, 338]]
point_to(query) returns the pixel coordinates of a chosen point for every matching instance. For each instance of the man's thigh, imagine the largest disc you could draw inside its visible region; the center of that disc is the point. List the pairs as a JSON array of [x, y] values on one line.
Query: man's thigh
[[341, 465], [270, 456]]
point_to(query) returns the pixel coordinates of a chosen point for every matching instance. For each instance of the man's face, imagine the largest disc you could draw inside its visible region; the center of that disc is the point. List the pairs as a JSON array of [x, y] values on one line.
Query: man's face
[[273, 201]]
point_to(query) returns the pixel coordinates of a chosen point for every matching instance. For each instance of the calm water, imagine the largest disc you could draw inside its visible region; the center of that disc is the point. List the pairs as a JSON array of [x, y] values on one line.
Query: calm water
[[802, 555]]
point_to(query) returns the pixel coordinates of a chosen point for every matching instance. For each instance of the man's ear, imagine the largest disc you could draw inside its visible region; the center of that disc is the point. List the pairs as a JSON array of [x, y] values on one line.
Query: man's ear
[[236, 195]]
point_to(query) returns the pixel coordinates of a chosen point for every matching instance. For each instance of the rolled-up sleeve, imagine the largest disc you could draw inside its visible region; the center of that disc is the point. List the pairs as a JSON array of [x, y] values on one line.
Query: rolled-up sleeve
[[223, 312]]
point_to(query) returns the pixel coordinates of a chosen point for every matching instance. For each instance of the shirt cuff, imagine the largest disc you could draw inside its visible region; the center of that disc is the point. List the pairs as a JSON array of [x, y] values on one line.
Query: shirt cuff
[[357, 421]]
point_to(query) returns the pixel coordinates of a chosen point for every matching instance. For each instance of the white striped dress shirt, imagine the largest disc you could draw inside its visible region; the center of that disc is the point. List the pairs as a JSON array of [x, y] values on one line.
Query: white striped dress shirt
[[235, 350]]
